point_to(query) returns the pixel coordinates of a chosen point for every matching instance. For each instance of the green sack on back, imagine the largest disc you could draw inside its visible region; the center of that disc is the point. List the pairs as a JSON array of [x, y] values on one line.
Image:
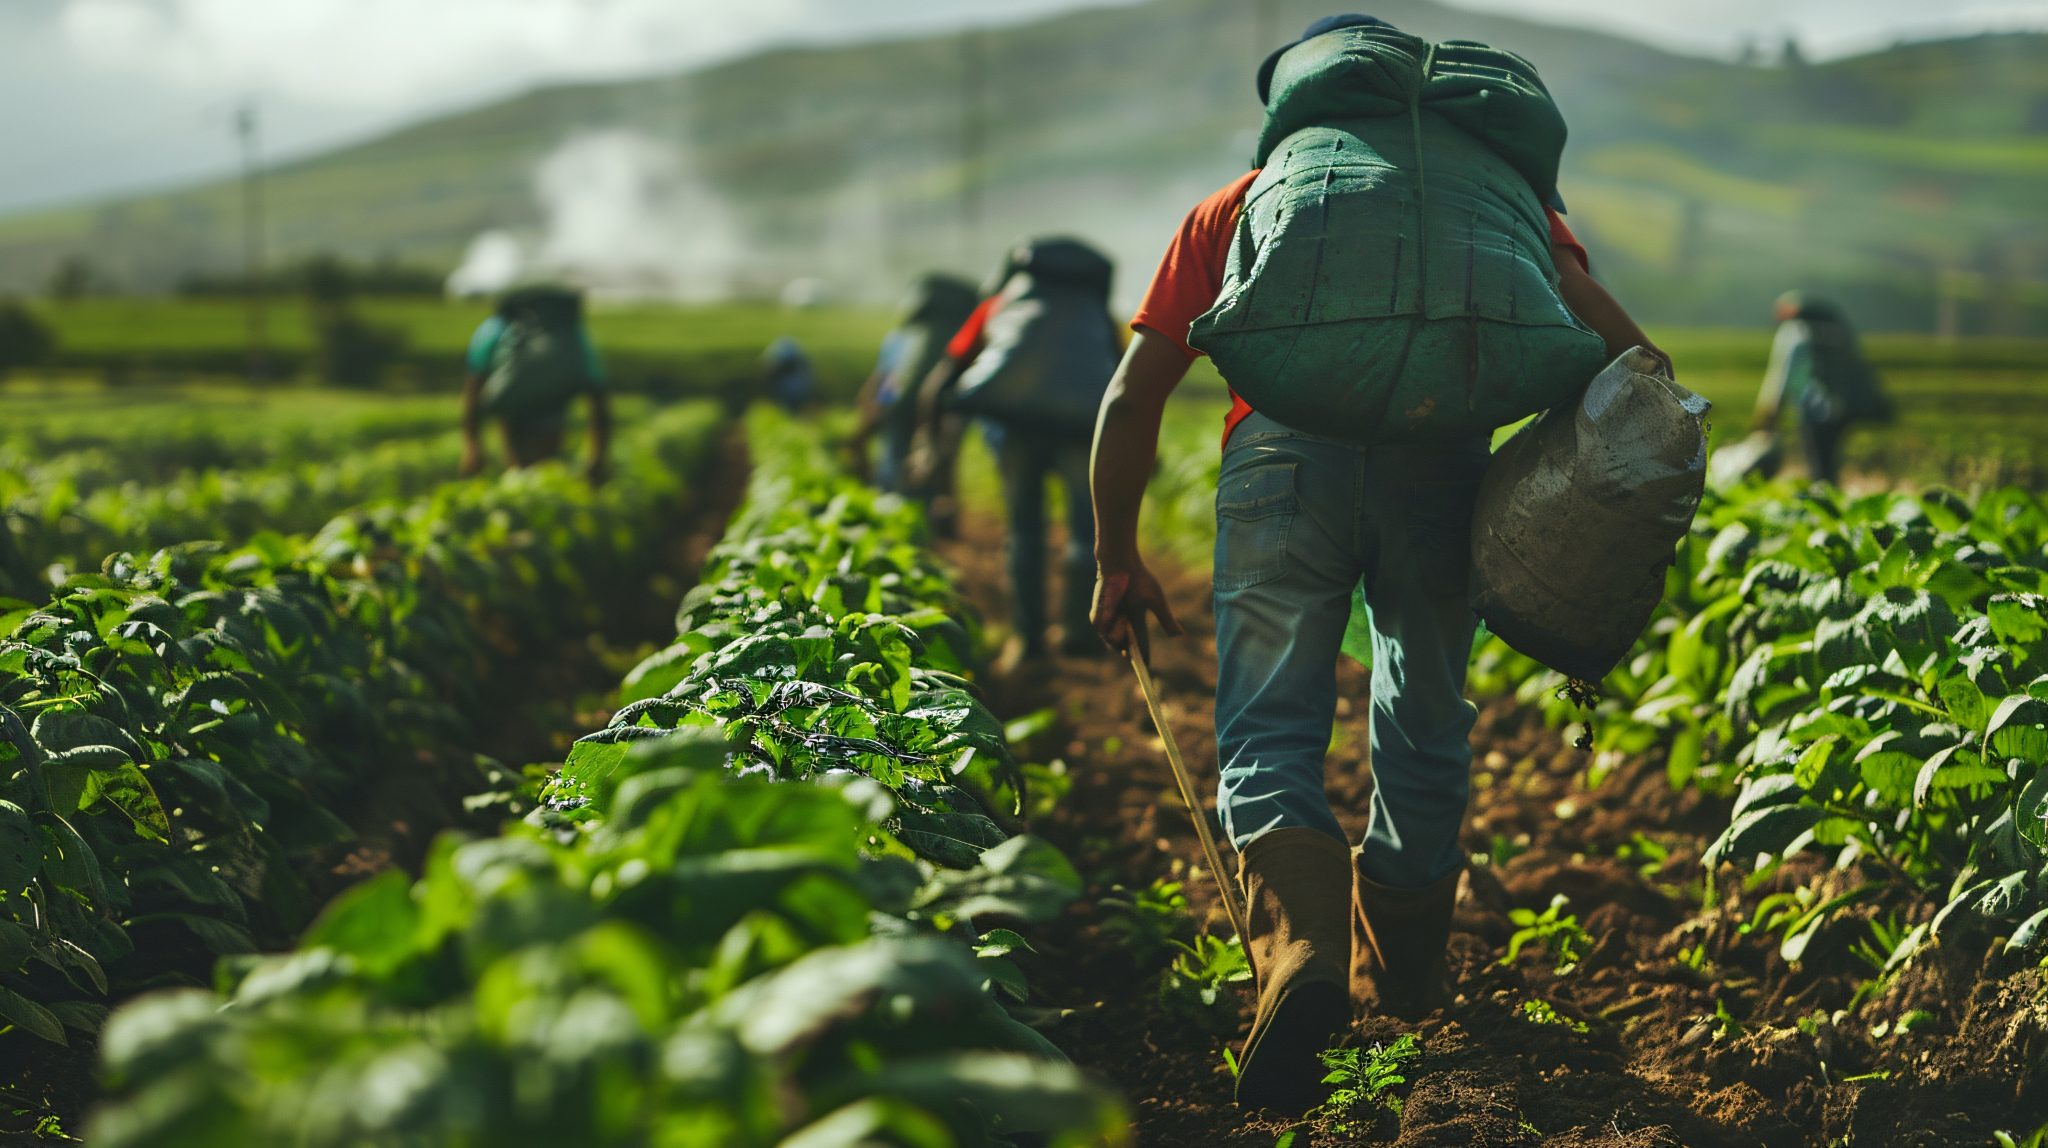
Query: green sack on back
[[542, 360], [1391, 276]]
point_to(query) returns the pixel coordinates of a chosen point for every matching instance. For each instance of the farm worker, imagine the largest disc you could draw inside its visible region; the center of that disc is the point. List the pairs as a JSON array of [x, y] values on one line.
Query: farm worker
[[1310, 512], [1031, 364], [938, 307], [527, 362], [1817, 365], [786, 371]]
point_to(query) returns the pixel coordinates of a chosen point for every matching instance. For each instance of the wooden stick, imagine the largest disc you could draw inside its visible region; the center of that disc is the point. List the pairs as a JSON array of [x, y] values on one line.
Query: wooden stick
[[1231, 904]]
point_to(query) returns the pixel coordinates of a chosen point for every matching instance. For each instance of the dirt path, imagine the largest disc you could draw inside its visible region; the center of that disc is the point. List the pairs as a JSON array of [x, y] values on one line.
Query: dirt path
[[1677, 1029]]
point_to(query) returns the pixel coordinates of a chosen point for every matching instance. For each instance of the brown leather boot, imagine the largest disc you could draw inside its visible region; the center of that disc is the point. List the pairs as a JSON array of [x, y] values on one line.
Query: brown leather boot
[[1296, 885], [1398, 939]]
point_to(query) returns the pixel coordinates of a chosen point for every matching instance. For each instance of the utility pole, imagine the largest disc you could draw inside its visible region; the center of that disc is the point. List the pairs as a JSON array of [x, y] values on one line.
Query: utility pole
[[973, 141], [247, 130]]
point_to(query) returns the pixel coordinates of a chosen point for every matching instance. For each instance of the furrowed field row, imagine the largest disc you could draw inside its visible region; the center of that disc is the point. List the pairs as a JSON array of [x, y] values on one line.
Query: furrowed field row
[[751, 911], [178, 732]]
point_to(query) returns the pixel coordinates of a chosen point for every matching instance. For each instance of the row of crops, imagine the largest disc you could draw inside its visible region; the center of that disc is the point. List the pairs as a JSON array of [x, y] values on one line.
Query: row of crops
[[182, 733], [1867, 678], [767, 904], [143, 434]]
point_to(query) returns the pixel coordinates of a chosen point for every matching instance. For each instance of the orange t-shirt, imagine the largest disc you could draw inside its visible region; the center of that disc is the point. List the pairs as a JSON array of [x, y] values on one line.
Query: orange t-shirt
[[1191, 274]]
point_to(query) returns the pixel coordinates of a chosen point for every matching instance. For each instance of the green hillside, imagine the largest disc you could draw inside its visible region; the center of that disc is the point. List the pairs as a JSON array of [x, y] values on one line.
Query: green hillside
[[1908, 180]]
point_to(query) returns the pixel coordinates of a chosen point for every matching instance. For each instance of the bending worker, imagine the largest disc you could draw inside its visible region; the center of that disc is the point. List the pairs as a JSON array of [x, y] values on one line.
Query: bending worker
[[527, 362], [1817, 365], [1391, 284]]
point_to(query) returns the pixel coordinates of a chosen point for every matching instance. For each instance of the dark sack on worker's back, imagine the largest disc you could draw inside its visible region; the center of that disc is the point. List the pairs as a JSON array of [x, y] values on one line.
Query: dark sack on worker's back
[[540, 362], [1391, 278], [1580, 512], [939, 307], [1050, 345]]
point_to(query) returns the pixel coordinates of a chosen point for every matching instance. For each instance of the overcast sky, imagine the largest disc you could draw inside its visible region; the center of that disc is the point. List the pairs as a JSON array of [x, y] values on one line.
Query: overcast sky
[[110, 95]]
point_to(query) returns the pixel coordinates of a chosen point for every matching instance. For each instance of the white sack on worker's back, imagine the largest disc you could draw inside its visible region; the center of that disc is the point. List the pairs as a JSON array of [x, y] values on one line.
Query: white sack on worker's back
[[1580, 512]]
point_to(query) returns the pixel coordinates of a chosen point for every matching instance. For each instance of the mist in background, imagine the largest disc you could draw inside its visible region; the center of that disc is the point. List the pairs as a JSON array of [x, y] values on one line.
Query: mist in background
[[1908, 181]]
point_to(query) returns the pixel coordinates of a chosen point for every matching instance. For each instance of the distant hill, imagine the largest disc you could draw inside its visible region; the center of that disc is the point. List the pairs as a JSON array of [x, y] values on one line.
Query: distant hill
[[1909, 181]]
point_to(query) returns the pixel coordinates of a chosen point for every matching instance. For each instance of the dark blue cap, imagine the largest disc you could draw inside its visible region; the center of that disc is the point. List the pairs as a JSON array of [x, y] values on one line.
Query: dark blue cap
[[1326, 24]]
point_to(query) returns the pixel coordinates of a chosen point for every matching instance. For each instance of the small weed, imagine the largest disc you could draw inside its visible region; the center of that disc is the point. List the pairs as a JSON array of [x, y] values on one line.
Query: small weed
[[1197, 983], [1557, 931], [1811, 1023], [1726, 1027], [1694, 957], [1147, 922], [1364, 1077], [1543, 1012], [1648, 855]]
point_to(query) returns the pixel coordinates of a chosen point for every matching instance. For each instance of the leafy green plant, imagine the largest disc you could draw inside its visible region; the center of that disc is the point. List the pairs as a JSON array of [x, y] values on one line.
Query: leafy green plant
[[1543, 1012], [177, 731], [1365, 1078], [1201, 982], [719, 933], [1147, 923], [1554, 930]]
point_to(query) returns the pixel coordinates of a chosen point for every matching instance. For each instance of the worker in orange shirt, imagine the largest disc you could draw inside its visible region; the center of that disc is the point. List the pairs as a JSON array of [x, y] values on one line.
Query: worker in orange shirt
[[1386, 223]]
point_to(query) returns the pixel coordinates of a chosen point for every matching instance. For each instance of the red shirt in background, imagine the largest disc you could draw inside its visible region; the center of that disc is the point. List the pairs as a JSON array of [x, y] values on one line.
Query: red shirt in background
[[1190, 277], [969, 335]]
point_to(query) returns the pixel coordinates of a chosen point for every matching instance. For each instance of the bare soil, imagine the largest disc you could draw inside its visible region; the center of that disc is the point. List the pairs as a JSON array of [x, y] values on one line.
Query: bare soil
[[1691, 1027]]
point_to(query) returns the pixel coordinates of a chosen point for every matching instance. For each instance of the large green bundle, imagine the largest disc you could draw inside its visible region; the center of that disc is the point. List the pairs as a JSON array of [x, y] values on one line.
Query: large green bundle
[[542, 361], [1391, 276]]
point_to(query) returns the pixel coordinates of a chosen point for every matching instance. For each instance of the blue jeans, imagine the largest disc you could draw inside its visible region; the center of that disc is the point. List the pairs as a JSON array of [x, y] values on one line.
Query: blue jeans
[[1026, 460], [1301, 524]]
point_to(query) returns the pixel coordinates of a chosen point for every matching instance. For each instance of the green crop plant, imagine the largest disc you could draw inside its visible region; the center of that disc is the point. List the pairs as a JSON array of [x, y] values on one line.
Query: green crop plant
[[1147, 923], [1365, 1078], [1202, 981], [1544, 1013], [734, 929], [1553, 930], [1867, 678], [176, 730]]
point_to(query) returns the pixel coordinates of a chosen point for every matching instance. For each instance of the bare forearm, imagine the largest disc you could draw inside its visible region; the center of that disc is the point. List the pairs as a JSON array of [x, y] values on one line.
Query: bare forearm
[[1601, 311], [1127, 443], [472, 413]]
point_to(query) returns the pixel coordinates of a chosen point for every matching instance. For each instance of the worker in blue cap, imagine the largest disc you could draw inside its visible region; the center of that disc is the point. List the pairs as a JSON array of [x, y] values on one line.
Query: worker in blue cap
[[1403, 226]]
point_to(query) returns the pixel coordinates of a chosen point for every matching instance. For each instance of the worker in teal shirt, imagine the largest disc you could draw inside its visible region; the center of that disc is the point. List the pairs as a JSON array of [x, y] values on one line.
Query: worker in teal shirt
[[527, 363], [1817, 366]]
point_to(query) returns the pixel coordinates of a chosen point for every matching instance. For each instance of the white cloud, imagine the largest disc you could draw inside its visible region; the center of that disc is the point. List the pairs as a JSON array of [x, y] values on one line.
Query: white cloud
[[392, 54]]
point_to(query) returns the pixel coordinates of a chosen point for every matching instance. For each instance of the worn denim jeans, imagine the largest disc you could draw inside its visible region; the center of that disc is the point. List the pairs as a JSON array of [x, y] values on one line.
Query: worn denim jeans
[[1301, 524], [1026, 461]]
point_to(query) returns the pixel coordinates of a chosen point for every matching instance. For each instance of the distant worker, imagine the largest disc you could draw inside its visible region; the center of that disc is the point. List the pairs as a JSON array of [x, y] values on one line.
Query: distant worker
[[1031, 365], [939, 307], [527, 363], [786, 372], [1396, 280], [1817, 365]]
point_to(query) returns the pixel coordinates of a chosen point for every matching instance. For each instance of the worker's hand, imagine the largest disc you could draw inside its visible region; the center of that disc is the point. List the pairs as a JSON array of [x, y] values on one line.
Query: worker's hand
[[1669, 369], [1123, 596], [472, 460]]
